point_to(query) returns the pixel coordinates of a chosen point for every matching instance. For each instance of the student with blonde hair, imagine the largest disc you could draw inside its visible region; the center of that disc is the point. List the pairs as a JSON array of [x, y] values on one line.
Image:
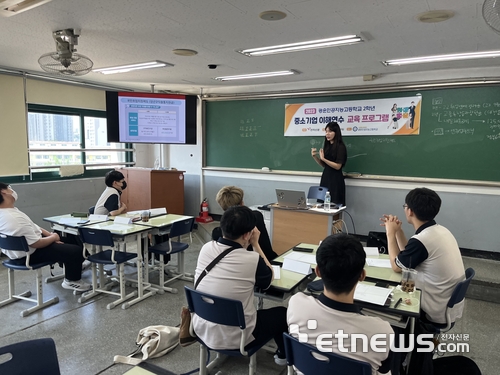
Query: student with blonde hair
[[230, 196]]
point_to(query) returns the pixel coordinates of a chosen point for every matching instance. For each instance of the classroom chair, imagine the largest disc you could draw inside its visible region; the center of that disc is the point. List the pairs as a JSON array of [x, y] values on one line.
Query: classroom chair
[[317, 193], [310, 361], [163, 249], [31, 357], [24, 264], [99, 238], [457, 296], [227, 312]]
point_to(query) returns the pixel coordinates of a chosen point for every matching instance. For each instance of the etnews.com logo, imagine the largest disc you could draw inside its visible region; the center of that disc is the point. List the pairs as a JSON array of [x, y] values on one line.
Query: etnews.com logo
[[358, 342]]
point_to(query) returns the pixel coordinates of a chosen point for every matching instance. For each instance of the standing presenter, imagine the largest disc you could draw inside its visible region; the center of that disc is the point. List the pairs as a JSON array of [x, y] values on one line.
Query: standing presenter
[[332, 157]]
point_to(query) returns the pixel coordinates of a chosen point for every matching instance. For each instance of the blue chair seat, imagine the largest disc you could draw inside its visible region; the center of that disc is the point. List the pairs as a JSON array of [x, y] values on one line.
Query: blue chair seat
[[100, 238], [163, 248], [251, 348], [310, 360], [31, 357], [169, 247], [227, 312], [18, 243], [105, 257], [20, 264]]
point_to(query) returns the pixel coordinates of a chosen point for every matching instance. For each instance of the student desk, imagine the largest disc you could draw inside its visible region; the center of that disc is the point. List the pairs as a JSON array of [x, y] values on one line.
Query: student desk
[[127, 234], [372, 273], [66, 227], [289, 227], [57, 223], [282, 288]]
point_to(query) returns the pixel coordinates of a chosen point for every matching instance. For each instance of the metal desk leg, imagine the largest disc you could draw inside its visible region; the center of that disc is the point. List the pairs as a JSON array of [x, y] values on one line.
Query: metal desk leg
[[141, 286]]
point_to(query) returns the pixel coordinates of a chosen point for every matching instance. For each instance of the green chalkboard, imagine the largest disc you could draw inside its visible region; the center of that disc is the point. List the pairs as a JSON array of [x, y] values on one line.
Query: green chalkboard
[[459, 137]]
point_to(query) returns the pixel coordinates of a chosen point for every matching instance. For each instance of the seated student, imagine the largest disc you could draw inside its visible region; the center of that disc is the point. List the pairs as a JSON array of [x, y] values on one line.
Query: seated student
[[432, 251], [233, 196], [340, 260], [44, 246], [109, 201], [235, 276]]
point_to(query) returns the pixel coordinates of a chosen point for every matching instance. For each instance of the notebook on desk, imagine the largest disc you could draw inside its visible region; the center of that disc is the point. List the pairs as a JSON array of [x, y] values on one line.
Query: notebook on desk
[[291, 199]]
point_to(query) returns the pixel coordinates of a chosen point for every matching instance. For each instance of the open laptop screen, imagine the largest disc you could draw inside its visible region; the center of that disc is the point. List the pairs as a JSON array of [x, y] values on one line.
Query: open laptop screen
[[293, 199]]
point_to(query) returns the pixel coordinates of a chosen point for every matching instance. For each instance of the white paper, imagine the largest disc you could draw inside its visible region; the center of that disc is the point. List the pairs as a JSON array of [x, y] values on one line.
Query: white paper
[[123, 220], [382, 263], [296, 266], [135, 213], [158, 211], [277, 272], [372, 294], [301, 257], [371, 251], [117, 227], [73, 220], [98, 217]]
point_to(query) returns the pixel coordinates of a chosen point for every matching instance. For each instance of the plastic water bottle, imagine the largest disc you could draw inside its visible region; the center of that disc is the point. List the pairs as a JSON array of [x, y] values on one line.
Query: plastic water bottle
[[327, 201]]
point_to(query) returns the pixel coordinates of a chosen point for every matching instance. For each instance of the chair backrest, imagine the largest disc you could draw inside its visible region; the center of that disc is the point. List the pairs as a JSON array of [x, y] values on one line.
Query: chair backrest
[[181, 227], [100, 237], [31, 357], [91, 210], [17, 243], [309, 360], [317, 192], [215, 309], [461, 288]]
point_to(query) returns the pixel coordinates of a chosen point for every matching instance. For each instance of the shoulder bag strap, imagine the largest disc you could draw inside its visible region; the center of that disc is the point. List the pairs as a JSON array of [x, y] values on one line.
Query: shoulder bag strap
[[212, 264]]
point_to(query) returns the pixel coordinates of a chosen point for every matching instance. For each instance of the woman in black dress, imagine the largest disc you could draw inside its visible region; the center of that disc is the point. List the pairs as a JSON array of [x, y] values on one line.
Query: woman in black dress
[[332, 157]]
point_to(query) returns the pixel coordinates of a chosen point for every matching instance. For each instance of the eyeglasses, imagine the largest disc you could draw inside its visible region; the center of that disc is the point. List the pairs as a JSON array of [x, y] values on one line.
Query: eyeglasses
[[405, 205]]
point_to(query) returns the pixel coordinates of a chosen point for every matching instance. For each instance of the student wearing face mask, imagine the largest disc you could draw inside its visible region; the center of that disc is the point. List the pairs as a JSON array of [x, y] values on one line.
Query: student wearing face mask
[[109, 203], [44, 245]]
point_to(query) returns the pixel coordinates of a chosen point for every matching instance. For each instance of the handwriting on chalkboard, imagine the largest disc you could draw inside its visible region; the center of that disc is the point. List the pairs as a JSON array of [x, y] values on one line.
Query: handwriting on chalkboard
[[382, 140], [248, 129], [456, 114]]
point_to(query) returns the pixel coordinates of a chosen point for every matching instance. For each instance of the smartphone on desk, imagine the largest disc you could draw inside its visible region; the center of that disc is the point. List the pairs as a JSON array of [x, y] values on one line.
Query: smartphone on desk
[[303, 249]]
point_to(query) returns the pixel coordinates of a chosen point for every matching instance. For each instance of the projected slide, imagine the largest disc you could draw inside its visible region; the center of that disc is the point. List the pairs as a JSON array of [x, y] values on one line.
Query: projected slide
[[152, 120]]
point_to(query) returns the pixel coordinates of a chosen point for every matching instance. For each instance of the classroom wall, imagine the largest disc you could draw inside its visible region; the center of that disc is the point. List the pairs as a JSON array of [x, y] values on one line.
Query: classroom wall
[[469, 212]]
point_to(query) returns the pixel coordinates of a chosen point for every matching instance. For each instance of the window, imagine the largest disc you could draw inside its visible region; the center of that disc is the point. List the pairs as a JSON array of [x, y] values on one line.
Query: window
[[66, 136]]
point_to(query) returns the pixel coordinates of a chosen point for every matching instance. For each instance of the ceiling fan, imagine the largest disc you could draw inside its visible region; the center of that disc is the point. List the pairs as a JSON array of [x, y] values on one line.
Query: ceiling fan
[[491, 14], [65, 61]]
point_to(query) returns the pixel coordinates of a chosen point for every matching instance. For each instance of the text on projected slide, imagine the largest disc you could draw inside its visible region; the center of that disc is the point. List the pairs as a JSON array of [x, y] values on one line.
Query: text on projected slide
[[147, 119]]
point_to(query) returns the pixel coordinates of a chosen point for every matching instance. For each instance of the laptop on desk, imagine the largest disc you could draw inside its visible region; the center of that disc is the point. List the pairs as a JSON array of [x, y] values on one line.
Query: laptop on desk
[[291, 199]]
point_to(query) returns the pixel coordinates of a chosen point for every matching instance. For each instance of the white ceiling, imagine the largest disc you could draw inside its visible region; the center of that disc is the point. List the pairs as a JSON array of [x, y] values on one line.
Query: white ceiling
[[116, 32]]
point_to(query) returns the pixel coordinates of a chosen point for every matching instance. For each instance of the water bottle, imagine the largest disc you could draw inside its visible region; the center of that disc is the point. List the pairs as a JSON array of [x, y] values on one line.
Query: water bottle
[[327, 201]]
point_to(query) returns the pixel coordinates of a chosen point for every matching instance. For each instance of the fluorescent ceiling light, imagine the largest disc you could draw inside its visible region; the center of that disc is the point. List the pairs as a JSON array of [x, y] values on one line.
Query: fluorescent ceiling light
[[130, 67], [10, 8], [436, 58], [302, 46], [257, 75]]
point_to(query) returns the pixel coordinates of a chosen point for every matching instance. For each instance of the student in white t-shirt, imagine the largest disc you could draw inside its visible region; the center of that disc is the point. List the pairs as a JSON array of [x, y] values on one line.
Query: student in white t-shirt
[[340, 263], [44, 245], [235, 276]]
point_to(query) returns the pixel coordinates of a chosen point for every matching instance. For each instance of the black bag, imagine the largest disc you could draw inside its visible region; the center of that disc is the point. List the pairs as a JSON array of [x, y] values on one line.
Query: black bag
[[379, 240]]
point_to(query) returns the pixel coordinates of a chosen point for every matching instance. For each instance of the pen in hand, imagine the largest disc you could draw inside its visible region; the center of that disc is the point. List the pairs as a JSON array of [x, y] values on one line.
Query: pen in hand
[[397, 303]]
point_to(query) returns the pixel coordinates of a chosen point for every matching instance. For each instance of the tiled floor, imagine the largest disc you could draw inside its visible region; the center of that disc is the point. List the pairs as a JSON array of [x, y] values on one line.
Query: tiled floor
[[88, 335]]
